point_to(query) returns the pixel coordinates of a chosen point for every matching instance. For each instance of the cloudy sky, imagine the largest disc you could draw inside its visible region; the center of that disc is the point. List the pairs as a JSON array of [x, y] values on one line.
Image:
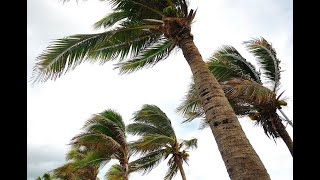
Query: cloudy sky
[[58, 109]]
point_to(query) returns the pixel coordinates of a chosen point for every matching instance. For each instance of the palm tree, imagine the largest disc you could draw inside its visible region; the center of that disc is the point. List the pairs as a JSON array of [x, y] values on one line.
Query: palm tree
[[244, 89], [70, 171], [105, 138], [46, 176], [158, 141], [140, 33]]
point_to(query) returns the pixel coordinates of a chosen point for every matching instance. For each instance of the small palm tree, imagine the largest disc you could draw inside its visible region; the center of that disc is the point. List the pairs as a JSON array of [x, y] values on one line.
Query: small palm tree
[[158, 141], [45, 176], [244, 89], [105, 139], [140, 33], [70, 171]]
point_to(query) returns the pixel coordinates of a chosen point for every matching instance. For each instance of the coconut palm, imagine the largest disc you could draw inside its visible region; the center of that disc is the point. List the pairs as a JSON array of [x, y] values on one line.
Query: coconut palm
[[157, 142], [45, 176], [244, 89], [70, 171], [140, 33], [105, 138]]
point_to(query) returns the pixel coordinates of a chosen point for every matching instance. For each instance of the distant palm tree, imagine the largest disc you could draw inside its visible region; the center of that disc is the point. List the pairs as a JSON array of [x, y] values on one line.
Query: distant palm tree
[[70, 171], [46, 176], [140, 33], [158, 141], [244, 89], [105, 138]]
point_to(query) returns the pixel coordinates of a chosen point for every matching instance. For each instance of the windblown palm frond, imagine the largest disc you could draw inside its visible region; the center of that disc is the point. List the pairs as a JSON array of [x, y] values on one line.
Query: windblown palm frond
[[65, 54], [267, 59], [152, 115], [131, 34], [104, 138], [115, 172], [151, 142], [248, 92], [110, 20], [148, 162], [227, 62], [157, 141], [147, 58], [192, 143], [172, 171]]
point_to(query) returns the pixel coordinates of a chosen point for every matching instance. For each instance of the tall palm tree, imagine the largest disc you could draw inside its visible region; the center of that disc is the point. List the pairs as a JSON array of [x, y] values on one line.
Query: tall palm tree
[[244, 89], [158, 141], [140, 33], [70, 171], [105, 138]]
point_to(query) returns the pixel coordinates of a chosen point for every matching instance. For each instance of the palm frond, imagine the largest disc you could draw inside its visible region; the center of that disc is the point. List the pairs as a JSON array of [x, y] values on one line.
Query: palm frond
[[110, 20], [153, 115], [240, 90], [152, 142], [267, 59], [142, 129], [190, 107], [93, 158], [172, 171], [65, 54], [94, 140], [227, 61], [147, 58], [148, 162], [115, 172], [192, 143]]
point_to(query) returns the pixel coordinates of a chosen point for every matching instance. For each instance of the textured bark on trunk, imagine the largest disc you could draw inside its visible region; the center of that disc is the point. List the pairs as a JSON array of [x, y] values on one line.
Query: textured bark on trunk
[[183, 175], [241, 160], [125, 168], [284, 135]]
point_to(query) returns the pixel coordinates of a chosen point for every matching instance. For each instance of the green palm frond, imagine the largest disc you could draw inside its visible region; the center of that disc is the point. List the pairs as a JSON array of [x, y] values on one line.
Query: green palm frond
[[147, 58], [110, 20], [65, 171], [65, 54], [142, 129], [246, 91], [96, 140], [115, 172], [152, 115], [151, 142], [93, 158], [148, 162], [75, 154], [172, 171], [267, 59], [227, 62], [190, 107], [192, 143]]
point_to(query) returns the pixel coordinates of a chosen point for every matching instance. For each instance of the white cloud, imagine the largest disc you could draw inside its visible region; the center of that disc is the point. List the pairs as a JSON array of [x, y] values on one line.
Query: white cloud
[[57, 110]]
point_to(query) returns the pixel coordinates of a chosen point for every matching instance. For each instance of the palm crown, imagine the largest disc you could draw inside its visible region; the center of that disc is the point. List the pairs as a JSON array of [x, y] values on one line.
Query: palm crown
[[105, 139], [71, 169], [243, 87], [157, 142], [138, 31]]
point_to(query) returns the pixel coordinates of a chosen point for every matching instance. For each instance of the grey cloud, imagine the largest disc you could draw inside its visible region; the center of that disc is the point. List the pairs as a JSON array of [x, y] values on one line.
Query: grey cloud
[[41, 159]]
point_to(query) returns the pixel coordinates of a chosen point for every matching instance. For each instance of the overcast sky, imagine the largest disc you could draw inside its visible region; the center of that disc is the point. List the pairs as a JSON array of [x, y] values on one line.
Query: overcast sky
[[58, 109]]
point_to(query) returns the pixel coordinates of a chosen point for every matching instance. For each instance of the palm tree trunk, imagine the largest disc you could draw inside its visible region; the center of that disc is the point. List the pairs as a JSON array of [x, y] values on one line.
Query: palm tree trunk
[[179, 162], [125, 168], [281, 129], [241, 160]]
